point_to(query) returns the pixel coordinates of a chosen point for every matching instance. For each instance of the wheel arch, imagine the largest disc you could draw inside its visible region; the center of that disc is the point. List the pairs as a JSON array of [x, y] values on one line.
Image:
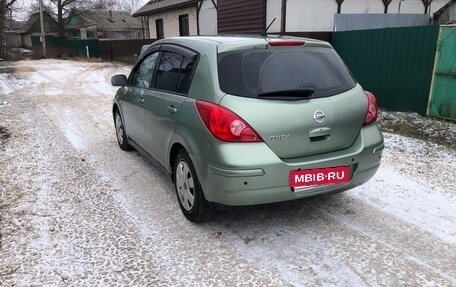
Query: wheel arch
[[175, 148], [115, 107]]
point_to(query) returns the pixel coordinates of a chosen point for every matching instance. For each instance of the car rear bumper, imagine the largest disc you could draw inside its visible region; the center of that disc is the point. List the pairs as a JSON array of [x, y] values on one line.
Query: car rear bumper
[[249, 174]]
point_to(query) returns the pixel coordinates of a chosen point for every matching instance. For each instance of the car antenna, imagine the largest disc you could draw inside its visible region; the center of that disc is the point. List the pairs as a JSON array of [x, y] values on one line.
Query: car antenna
[[265, 33]]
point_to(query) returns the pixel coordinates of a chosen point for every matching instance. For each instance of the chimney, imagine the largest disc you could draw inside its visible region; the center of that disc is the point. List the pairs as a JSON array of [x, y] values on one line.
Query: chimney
[[110, 16]]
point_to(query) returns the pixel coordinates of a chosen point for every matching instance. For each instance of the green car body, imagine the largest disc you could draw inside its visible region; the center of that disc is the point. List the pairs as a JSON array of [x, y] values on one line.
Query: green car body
[[303, 132]]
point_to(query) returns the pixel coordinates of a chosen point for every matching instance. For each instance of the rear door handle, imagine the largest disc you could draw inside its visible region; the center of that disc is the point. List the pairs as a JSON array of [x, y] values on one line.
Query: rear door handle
[[172, 109], [141, 100]]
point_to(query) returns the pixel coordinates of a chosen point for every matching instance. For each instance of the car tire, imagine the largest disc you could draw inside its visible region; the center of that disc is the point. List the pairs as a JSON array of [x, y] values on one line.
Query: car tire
[[120, 132], [188, 190]]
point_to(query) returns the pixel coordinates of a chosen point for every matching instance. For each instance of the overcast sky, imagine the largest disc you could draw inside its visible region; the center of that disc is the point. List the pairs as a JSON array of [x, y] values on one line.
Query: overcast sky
[[23, 7]]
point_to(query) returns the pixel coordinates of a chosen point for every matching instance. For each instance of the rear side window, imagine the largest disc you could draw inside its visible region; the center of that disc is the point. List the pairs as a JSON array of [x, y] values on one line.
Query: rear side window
[[174, 73], [249, 73], [168, 71]]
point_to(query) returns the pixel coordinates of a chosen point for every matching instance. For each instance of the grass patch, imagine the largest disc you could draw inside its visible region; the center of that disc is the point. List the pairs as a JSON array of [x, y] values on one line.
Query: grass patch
[[415, 126]]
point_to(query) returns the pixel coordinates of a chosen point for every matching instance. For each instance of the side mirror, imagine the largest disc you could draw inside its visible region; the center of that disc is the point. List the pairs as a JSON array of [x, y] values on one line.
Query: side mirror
[[119, 81]]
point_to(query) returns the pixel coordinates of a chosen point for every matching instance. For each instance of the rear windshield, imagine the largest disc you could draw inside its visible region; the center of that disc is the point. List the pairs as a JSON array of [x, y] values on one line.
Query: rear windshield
[[250, 73]]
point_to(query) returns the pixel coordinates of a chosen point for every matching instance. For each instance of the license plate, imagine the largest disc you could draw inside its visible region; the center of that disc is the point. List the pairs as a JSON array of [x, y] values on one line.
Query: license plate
[[319, 176]]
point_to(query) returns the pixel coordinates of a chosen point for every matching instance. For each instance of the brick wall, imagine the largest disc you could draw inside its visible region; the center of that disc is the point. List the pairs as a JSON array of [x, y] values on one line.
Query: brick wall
[[171, 22]]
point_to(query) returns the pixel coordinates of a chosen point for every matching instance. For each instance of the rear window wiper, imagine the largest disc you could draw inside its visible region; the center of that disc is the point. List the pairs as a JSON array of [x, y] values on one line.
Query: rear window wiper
[[297, 93]]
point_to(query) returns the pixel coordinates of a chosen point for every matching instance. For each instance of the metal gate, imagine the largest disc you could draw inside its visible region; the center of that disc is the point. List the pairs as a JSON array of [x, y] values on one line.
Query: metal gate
[[442, 98], [393, 63]]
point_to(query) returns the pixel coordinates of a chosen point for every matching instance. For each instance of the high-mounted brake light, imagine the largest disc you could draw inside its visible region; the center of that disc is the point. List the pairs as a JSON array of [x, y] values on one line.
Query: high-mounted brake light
[[285, 42], [372, 109], [225, 125]]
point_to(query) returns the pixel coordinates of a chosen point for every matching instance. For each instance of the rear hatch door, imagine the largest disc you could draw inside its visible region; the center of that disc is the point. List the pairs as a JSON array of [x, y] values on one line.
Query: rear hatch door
[[306, 127], [301, 100]]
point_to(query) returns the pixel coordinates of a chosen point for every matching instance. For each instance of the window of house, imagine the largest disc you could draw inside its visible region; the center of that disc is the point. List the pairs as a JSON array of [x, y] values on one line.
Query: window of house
[[142, 75], [90, 34], [183, 25], [159, 28], [174, 73]]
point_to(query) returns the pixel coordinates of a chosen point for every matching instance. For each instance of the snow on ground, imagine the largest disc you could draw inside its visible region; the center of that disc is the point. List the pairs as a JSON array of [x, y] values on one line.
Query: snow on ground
[[75, 210], [414, 125], [418, 187], [6, 85]]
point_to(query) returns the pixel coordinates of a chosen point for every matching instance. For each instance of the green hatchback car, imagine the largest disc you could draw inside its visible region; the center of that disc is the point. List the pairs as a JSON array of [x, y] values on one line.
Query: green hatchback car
[[248, 120]]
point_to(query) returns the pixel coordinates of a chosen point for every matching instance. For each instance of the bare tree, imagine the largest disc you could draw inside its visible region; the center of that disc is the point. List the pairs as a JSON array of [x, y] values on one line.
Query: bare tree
[[63, 7], [339, 5], [5, 6], [426, 4], [129, 6], [386, 4]]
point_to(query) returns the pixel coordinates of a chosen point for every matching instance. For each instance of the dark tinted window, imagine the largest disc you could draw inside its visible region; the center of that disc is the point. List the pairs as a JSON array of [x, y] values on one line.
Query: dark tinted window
[[141, 77], [252, 72], [174, 73], [159, 28], [183, 83], [183, 25]]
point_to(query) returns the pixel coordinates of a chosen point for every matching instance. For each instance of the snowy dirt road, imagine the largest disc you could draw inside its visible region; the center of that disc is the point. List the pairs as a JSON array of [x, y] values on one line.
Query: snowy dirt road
[[76, 210]]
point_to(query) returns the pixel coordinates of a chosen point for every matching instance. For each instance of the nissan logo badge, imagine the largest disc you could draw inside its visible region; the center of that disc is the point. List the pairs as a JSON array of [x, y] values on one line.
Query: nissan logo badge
[[319, 116]]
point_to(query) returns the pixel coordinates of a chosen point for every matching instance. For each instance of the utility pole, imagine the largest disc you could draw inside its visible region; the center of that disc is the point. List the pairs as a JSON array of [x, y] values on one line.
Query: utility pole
[[43, 35]]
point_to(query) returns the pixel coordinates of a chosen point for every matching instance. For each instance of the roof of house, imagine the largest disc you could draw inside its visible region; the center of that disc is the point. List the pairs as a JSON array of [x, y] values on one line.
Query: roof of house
[[13, 25], [28, 25], [157, 6], [444, 7], [103, 19], [33, 19]]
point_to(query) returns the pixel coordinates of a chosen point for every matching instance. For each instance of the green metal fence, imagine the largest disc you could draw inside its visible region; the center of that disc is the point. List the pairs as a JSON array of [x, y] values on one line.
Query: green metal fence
[[61, 46], [394, 63], [442, 102]]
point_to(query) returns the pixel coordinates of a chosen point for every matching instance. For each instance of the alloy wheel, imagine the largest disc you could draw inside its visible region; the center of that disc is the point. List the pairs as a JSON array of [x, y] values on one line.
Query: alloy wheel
[[119, 129], [185, 185]]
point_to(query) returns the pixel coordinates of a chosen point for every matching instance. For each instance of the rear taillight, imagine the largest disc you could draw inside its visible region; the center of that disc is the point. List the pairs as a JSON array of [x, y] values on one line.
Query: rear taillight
[[372, 109], [224, 124]]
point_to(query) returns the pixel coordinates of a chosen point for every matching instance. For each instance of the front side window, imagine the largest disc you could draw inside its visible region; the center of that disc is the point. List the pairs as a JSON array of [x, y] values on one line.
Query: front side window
[[183, 25], [141, 77]]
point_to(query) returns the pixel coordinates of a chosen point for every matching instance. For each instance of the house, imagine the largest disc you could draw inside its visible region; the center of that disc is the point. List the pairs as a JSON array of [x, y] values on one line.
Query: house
[[103, 24], [313, 15], [33, 28], [169, 18], [446, 15]]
